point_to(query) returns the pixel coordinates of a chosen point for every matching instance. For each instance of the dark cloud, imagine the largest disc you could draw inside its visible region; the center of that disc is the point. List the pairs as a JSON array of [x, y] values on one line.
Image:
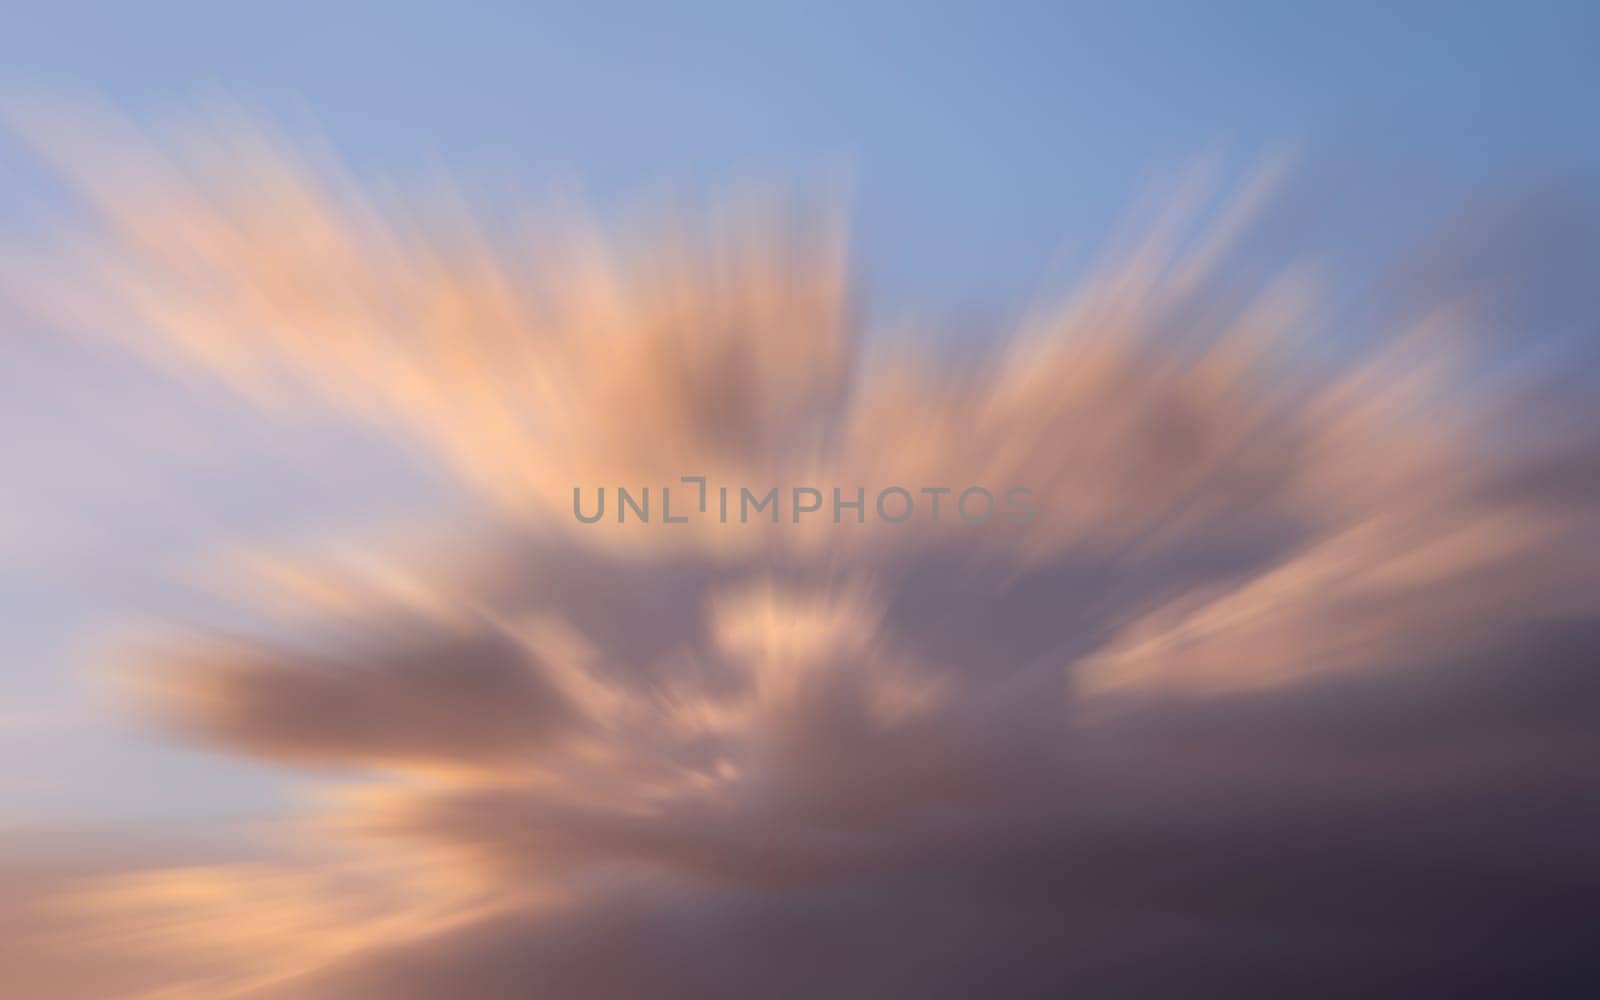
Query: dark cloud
[[413, 696]]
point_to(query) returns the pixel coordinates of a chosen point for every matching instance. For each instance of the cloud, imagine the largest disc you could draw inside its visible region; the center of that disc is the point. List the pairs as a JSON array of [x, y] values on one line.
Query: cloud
[[1288, 686]]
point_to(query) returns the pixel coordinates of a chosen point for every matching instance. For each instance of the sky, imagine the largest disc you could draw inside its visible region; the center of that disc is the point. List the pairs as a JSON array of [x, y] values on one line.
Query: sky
[[1059, 114], [311, 319]]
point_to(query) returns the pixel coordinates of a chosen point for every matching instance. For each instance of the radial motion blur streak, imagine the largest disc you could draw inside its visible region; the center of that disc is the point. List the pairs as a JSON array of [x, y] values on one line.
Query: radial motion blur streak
[[1289, 685]]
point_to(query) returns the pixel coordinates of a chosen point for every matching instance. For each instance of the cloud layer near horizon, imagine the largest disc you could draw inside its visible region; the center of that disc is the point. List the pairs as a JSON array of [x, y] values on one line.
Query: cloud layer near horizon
[[1290, 681]]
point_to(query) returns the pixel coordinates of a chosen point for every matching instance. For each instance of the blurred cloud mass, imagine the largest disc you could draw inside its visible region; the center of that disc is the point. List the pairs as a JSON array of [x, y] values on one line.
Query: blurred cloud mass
[[1290, 681]]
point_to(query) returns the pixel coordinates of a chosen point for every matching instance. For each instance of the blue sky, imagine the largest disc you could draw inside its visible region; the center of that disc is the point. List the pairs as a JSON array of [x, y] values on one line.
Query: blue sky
[[983, 145], [978, 140]]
